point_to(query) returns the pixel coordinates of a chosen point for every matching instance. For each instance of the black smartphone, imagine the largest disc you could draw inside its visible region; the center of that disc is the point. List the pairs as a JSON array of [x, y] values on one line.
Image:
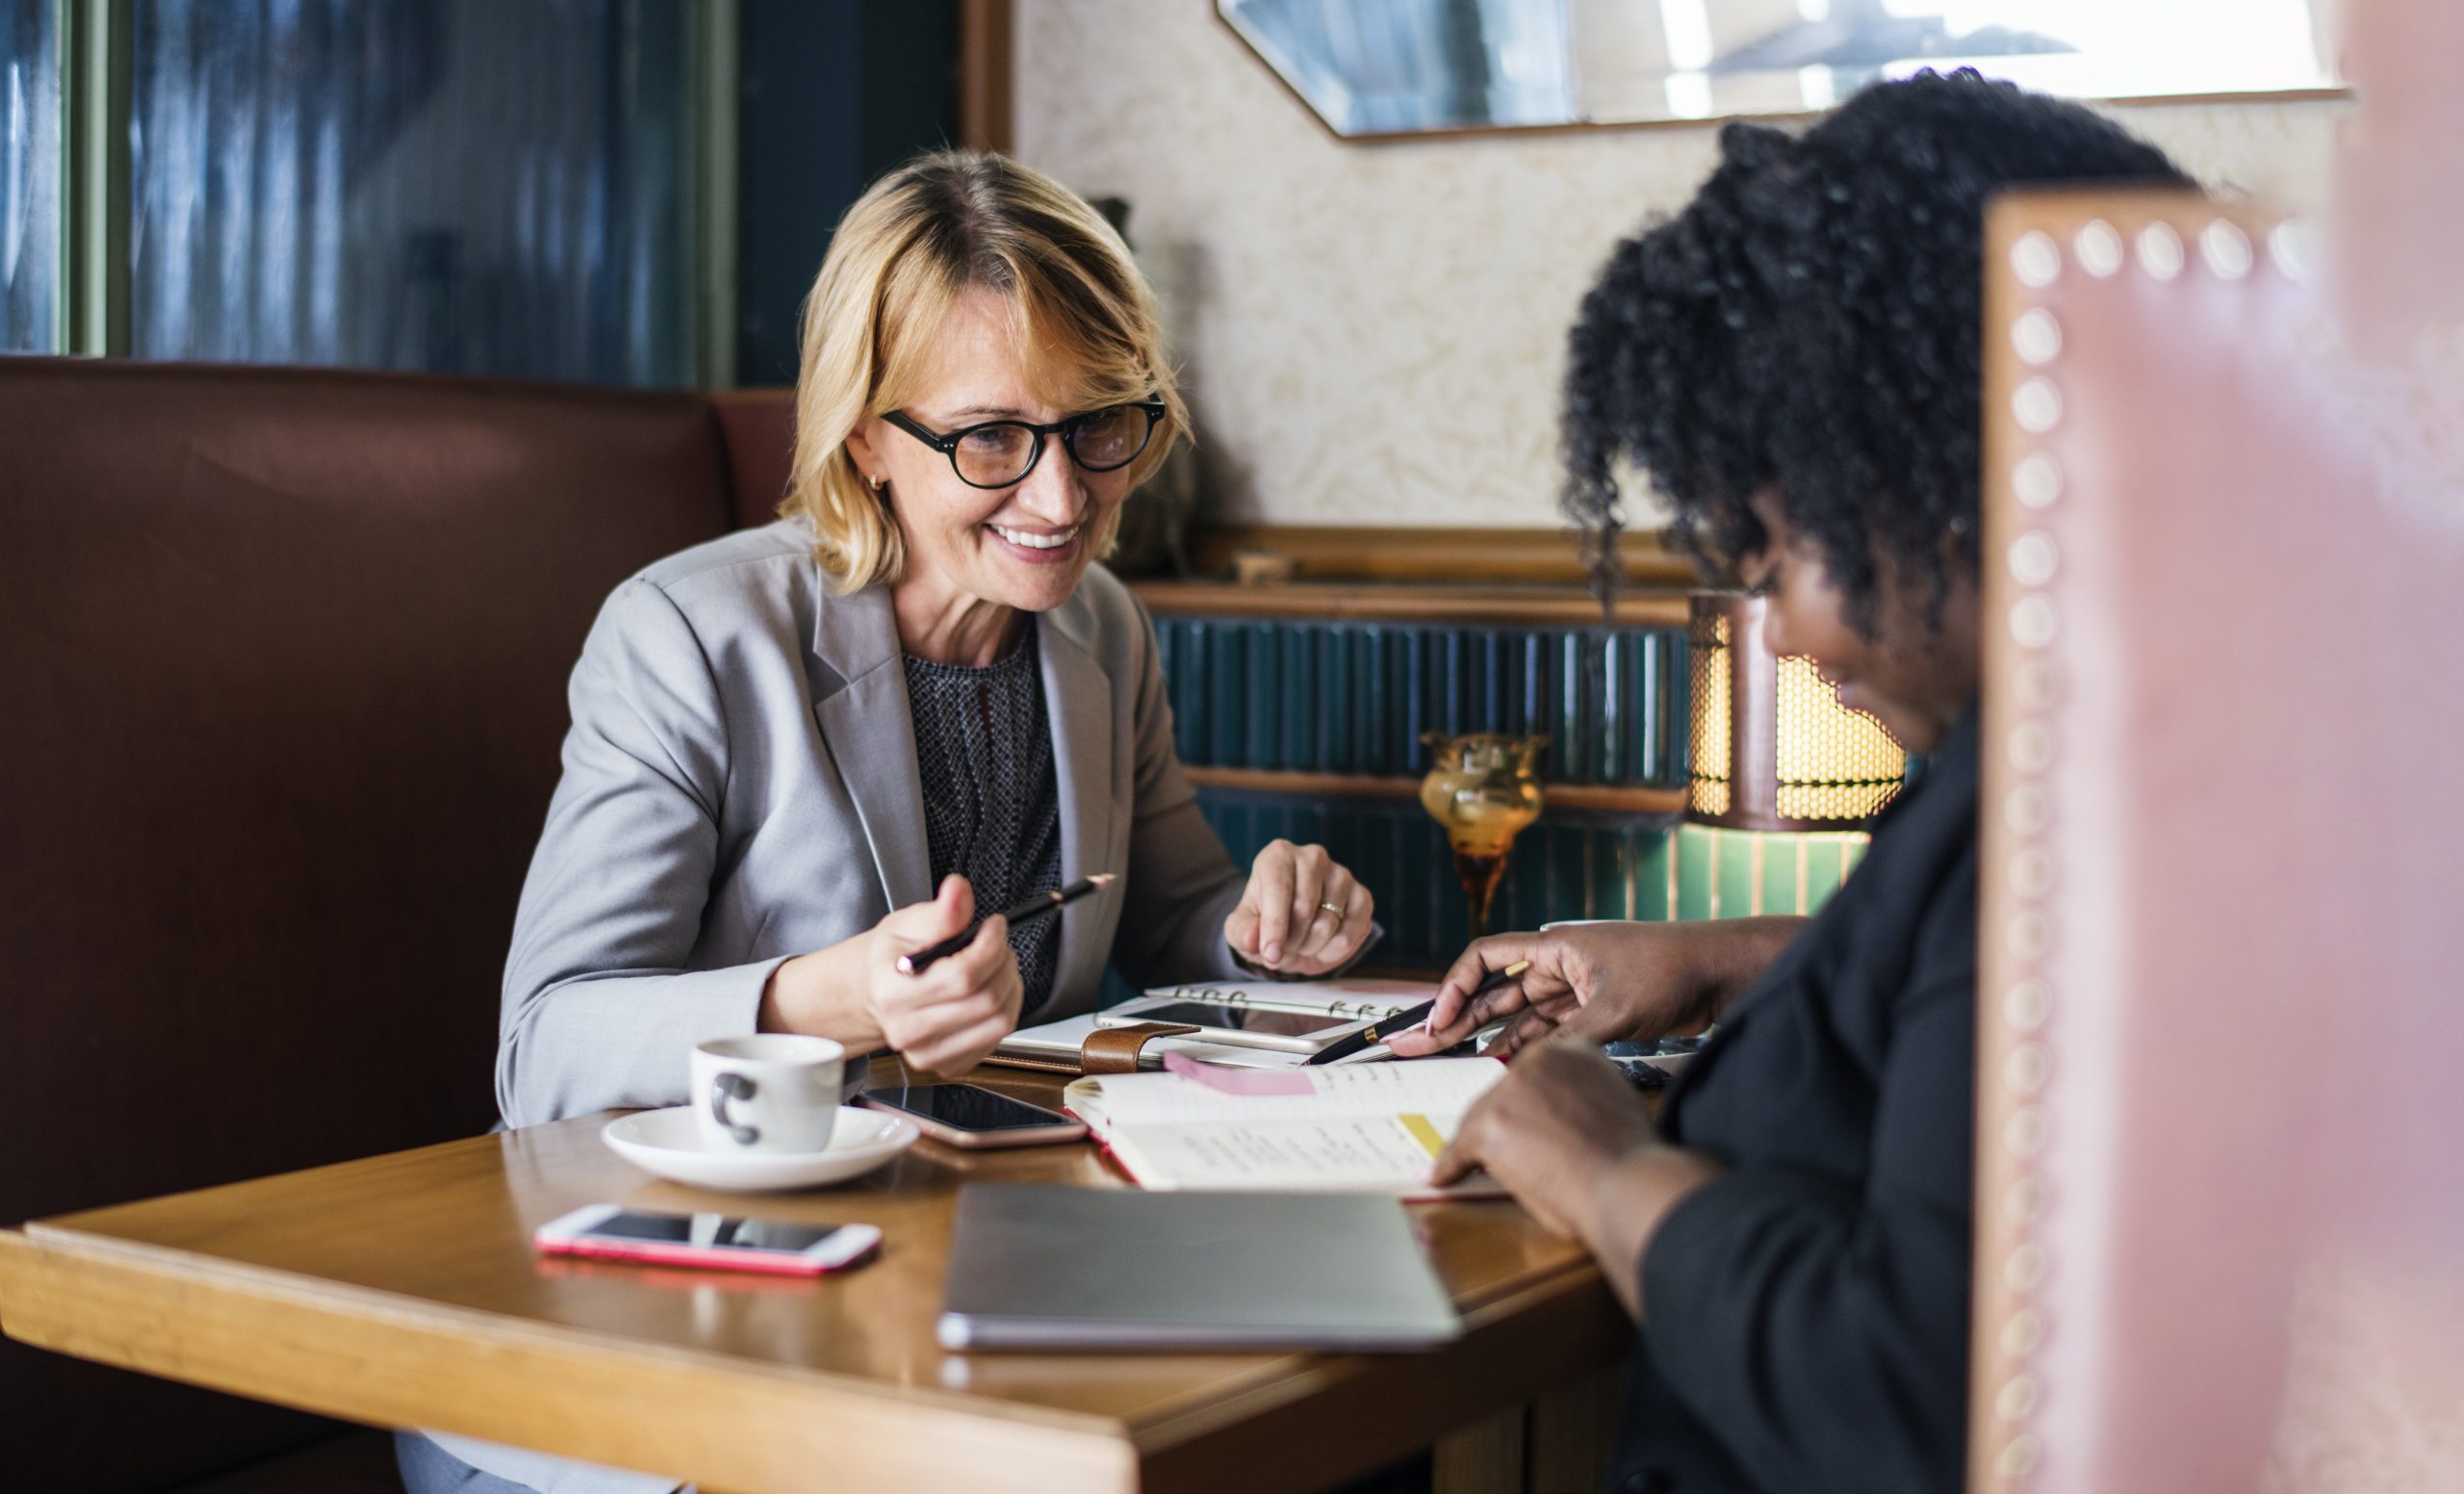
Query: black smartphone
[[1246, 1018], [967, 1115], [1289, 1029]]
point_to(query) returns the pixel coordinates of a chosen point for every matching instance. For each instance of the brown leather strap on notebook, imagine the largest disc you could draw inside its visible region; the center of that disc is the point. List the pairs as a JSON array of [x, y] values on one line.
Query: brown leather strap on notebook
[[1113, 1050], [1040, 1062]]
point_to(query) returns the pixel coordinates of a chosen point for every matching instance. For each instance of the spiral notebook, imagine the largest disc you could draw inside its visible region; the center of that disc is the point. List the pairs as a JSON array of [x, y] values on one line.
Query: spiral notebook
[[1056, 1045]]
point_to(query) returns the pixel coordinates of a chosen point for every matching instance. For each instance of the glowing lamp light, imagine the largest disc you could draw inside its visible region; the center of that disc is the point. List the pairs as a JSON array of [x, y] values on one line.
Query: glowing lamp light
[[1772, 747]]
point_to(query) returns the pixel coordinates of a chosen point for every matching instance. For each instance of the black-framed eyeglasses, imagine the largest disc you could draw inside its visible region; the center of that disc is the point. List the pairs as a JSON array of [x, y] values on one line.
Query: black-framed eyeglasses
[[1000, 453]]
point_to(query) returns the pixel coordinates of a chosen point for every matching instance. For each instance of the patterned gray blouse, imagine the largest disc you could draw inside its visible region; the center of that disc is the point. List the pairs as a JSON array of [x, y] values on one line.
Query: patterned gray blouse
[[992, 803]]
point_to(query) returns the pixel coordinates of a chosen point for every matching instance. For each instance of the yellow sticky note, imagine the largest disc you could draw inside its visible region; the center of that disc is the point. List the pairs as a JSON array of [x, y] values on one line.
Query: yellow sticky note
[[1423, 1132]]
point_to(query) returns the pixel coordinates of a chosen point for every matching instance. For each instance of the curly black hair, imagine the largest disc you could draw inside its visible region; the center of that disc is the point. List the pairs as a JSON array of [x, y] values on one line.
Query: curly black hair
[[1810, 322]]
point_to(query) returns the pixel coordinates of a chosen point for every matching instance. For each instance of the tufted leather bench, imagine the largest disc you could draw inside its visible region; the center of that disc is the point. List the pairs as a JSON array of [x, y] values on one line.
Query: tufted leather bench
[[282, 669]]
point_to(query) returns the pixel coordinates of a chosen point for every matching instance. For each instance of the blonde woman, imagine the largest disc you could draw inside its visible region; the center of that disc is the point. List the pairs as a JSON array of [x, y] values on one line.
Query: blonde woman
[[803, 750]]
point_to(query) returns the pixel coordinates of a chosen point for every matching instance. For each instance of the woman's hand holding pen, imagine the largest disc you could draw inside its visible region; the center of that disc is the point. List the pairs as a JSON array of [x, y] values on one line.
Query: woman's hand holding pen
[[945, 1019], [1303, 913], [1607, 982]]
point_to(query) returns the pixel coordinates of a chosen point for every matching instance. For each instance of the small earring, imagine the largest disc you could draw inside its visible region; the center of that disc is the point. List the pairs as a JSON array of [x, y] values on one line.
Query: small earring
[[877, 482]]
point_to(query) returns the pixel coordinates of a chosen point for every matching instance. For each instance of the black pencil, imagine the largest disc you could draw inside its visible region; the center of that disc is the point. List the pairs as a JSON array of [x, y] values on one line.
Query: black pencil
[[1409, 1016], [1037, 907]]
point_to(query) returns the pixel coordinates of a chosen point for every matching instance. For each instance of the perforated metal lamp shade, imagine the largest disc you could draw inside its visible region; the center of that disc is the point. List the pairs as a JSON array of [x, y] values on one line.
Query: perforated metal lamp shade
[[1772, 747]]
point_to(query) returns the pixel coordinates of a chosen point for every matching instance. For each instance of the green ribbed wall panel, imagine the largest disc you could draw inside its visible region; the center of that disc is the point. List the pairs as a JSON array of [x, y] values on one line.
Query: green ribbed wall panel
[[1734, 873], [1337, 697]]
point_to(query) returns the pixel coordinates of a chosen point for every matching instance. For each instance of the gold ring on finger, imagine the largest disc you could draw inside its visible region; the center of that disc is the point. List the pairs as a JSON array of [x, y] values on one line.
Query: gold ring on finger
[[1331, 908]]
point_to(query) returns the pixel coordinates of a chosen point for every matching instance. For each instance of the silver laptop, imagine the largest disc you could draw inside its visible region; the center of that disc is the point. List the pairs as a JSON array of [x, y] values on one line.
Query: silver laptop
[[1088, 1267]]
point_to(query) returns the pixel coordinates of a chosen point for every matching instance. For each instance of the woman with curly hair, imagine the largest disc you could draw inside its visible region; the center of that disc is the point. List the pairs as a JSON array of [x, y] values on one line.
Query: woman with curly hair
[[1794, 360]]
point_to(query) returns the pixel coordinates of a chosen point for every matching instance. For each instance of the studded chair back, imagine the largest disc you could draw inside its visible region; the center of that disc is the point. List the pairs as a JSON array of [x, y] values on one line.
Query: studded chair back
[[2220, 1194]]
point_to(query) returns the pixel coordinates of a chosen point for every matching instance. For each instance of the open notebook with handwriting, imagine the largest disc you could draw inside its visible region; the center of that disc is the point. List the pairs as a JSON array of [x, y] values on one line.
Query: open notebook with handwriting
[[1356, 1128]]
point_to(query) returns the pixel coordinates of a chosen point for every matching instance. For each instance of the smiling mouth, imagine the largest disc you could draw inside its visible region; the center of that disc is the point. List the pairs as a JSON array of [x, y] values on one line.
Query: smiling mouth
[[1032, 541]]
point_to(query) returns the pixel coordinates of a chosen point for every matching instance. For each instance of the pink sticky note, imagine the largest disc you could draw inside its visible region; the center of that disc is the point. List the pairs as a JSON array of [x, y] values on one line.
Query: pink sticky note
[[1224, 1079]]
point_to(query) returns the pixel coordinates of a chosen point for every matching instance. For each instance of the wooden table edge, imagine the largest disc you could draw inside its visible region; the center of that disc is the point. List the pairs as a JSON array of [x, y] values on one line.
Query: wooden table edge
[[274, 1336], [1295, 1414]]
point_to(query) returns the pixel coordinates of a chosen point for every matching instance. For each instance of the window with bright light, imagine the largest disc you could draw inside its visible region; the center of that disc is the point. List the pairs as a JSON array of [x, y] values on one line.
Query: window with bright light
[[456, 186]]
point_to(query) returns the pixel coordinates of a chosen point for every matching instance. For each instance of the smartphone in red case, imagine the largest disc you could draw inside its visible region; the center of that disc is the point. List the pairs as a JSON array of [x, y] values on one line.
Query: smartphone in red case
[[720, 1241]]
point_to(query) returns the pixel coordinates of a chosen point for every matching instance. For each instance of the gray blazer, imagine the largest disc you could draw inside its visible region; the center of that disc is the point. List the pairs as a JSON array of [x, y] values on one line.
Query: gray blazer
[[741, 786]]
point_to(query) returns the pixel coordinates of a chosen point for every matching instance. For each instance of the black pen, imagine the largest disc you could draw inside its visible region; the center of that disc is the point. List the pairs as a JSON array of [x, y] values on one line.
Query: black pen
[[1037, 907], [1409, 1016]]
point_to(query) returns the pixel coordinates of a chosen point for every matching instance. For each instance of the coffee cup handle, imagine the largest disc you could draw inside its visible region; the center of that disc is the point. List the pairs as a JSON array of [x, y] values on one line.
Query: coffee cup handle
[[726, 1087]]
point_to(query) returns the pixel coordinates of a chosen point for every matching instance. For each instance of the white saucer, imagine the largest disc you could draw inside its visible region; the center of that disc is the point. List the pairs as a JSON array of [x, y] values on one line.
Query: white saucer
[[669, 1143]]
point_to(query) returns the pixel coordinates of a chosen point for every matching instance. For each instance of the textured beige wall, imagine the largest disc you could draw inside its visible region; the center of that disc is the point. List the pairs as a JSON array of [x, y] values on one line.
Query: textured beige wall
[[1372, 334]]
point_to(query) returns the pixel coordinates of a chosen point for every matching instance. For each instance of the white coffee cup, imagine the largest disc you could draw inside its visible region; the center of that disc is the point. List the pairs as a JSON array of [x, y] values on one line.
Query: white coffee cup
[[774, 1092]]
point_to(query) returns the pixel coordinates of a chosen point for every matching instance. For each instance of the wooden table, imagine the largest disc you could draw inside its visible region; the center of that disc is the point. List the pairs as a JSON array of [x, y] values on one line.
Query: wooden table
[[402, 1290]]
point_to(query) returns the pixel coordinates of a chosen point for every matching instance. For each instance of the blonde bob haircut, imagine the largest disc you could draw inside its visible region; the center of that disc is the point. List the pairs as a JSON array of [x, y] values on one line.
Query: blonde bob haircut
[[918, 239]]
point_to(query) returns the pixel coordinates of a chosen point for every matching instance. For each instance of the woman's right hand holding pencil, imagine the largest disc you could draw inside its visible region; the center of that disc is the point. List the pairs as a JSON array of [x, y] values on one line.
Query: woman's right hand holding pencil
[[945, 1017]]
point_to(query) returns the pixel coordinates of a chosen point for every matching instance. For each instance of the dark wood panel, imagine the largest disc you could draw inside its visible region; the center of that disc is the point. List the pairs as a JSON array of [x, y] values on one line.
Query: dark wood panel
[[1491, 606], [1548, 556], [985, 73]]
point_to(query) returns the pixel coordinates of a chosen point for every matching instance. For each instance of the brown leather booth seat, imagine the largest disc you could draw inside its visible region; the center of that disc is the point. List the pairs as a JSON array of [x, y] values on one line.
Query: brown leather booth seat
[[282, 668]]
